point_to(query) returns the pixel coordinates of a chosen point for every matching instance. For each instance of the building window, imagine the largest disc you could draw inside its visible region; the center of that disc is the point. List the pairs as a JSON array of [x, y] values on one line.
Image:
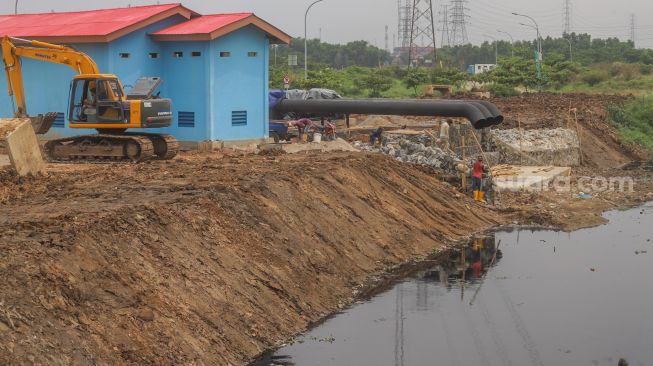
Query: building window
[[154, 55], [196, 54], [178, 54], [252, 54], [239, 118], [124, 55], [225, 54], [186, 119], [59, 121]]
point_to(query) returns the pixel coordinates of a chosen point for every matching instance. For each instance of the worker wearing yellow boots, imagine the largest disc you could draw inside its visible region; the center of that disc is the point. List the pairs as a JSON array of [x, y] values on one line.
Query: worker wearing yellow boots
[[477, 180]]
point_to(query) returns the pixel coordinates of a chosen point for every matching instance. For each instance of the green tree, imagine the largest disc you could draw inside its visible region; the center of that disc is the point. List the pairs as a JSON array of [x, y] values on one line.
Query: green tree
[[415, 78], [376, 81], [448, 76], [325, 78]]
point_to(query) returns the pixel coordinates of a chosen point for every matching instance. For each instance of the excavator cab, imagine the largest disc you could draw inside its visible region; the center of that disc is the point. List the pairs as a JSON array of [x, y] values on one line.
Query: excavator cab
[[97, 99]]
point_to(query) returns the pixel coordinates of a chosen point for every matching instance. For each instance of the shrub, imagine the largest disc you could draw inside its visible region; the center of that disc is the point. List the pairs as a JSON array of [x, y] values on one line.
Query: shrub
[[501, 90], [594, 77], [646, 69]]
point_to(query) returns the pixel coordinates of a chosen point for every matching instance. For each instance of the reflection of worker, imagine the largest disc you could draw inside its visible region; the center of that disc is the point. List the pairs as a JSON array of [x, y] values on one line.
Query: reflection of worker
[[376, 135], [444, 133], [477, 180]]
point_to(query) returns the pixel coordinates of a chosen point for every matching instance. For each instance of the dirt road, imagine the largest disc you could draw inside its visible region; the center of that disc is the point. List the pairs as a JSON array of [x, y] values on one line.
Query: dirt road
[[205, 260]]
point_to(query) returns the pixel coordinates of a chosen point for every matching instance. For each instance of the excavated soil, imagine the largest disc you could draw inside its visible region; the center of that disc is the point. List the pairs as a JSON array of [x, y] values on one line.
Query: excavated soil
[[205, 260]]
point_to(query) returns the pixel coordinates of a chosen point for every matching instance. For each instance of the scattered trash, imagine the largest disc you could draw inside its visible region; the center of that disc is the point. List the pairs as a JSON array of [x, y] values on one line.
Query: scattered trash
[[593, 269], [585, 196]]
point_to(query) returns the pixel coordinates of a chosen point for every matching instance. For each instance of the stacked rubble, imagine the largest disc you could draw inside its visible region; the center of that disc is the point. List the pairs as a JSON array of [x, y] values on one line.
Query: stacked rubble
[[558, 147], [415, 149]]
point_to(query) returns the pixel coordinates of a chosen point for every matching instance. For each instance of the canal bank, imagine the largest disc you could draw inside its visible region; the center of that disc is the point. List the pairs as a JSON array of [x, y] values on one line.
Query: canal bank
[[515, 297]]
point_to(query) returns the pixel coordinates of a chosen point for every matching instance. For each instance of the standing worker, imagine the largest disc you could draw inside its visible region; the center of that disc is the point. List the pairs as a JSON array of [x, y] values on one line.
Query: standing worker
[[444, 133], [477, 180]]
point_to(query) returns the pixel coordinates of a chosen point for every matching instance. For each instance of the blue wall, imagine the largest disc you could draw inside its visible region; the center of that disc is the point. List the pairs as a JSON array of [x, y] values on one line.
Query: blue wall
[[206, 89], [240, 84]]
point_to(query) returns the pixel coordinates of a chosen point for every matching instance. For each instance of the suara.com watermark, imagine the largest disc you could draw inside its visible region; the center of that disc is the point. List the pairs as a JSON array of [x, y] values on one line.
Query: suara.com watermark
[[568, 185]]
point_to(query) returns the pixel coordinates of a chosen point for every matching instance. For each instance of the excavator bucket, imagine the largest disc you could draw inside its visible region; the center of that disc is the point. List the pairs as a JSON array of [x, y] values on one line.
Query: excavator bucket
[[43, 123], [18, 138]]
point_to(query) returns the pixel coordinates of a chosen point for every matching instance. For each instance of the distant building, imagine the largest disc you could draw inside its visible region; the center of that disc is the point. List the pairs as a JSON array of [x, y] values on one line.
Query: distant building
[[480, 68], [214, 67]]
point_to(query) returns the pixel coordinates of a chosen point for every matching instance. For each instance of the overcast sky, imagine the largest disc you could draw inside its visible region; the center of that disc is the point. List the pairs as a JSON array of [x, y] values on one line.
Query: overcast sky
[[348, 20]]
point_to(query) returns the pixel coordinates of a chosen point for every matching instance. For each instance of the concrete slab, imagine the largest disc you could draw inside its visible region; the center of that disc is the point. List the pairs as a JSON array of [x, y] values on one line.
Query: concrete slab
[[4, 160], [526, 178], [324, 146], [23, 147]]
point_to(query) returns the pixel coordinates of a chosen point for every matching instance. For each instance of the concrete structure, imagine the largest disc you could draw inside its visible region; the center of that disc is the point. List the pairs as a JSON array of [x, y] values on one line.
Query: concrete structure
[[214, 67], [557, 147], [530, 178]]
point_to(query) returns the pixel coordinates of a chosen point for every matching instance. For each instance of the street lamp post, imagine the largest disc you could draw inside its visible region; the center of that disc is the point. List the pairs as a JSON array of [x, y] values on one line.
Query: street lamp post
[[537, 45], [538, 61], [512, 42], [305, 38], [539, 37], [496, 49], [16, 7], [571, 55]]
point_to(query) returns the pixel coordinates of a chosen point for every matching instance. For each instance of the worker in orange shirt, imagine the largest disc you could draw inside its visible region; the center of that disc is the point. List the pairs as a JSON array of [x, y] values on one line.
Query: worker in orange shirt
[[477, 180]]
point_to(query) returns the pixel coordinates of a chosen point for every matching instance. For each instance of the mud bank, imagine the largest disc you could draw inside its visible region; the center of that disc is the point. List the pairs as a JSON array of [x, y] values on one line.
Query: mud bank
[[205, 260]]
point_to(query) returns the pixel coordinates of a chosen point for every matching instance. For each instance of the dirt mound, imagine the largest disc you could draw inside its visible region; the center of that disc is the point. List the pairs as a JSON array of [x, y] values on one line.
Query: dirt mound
[[205, 260]]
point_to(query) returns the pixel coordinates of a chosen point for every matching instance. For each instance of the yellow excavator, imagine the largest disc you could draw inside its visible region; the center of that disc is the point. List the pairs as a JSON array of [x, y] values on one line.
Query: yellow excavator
[[97, 101]]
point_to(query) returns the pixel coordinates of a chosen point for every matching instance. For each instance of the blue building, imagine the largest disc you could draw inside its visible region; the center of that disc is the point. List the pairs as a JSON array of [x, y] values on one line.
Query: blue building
[[214, 67]]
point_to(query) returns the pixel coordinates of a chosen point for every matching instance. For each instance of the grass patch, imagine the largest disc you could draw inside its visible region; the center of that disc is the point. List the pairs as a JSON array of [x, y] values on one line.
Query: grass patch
[[634, 120]]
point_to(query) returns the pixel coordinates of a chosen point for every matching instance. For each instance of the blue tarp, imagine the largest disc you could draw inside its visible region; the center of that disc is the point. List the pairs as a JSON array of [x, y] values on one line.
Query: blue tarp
[[275, 97]]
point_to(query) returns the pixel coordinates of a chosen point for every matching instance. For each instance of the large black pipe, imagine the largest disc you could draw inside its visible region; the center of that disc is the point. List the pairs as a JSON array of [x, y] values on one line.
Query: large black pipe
[[481, 114]]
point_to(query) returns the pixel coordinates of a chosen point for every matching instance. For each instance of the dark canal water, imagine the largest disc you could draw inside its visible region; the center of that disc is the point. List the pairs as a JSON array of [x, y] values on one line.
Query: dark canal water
[[512, 298]]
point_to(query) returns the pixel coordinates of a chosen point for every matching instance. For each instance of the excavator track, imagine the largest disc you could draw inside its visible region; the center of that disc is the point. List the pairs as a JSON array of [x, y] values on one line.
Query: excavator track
[[166, 147], [101, 147]]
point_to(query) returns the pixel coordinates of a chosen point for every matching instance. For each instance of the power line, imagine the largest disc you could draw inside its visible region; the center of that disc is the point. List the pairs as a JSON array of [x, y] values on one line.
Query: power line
[[459, 22], [387, 39], [567, 12], [403, 31], [632, 28], [422, 30], [444, 27]]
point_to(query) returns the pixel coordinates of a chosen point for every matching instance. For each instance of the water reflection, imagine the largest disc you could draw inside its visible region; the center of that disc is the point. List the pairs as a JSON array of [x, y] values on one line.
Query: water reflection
[[518, 297]]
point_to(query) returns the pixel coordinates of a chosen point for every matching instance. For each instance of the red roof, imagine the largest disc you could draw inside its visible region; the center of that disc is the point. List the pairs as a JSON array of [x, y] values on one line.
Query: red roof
[[204, 24], [208, 27], [91, 26]]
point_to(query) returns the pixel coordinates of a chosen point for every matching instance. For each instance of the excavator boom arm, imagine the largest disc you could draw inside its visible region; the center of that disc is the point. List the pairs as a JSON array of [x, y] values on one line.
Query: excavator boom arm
[[12, 53]]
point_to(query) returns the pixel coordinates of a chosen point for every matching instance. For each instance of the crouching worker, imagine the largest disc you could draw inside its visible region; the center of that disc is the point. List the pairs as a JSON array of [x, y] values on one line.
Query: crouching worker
[[376, 135], [303, 126], [477, 180]]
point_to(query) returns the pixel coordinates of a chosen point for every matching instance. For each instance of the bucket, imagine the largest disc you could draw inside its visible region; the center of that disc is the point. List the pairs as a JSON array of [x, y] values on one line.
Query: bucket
[[317, 137]]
